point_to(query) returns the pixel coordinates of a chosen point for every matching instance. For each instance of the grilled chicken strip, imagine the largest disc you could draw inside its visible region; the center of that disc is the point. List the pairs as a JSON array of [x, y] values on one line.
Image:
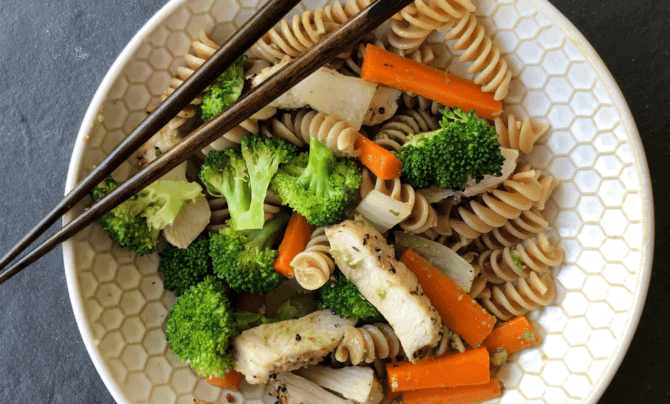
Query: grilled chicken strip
[[269, 349], [364, 257]]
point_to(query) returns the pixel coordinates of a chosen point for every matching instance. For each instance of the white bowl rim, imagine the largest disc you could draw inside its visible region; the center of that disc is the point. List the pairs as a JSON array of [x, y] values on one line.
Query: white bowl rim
[[125, 56]]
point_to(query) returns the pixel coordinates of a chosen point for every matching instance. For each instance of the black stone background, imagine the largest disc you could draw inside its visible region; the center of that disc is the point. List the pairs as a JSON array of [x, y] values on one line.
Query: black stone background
[[53, 55]]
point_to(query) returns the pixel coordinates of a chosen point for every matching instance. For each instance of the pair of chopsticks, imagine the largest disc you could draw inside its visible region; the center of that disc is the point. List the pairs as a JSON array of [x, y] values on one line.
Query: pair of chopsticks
[[267, 17]]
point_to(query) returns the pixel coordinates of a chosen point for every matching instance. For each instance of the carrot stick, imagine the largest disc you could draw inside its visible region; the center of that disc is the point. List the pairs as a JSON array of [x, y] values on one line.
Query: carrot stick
[[511, 336], [451, 370], [384, 164], [231, 381], [455, 395], [295, 240], [383, 67], [458, 310]]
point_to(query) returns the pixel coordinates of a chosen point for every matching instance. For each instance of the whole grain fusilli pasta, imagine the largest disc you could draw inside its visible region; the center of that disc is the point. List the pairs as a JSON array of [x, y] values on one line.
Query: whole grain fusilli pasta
[[423, 104], [339, 13], [367, 343], [294, 37], [509, 264], [493, 73], [422, 216], [299, 127], [412, 25], [313, 267], [496, 208], [511, 300], [397, 130], [519, 135]]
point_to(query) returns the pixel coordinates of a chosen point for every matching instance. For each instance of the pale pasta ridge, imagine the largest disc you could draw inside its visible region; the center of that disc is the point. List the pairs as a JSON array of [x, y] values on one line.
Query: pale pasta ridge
[[313, 267]]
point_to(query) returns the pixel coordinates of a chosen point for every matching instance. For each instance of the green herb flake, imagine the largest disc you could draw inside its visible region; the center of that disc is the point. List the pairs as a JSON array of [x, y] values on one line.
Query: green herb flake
[[382, 294], [394, 213]]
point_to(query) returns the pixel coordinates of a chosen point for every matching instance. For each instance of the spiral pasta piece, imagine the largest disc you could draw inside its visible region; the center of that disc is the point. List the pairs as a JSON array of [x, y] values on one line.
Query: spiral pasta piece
[[203, 48], [313, 267], [449, 341], [529, 294], [519, 135], [411, 26], [493, 73], [367, 343], [338, 13], [498, 207], [292, 39], [299, 127], [509, 264], [422, 216], [220, 212], [396, 131], [423, 104]]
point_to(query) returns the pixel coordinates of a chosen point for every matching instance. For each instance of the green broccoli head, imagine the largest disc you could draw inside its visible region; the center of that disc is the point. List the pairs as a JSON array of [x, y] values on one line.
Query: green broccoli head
[[318, 185], [244, 259], [225, 90], [243, 175], [136, 223], [343, 298], [183, 268], [200, 328], [465, 147]]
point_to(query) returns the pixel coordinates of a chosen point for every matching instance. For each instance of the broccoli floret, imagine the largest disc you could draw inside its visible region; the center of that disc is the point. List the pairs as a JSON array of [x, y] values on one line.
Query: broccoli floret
[[318, 185], [243, 176], [244, 259], [183, 268], [465, 147], [200, 328], [136, 223], [343, 298], [225, 90]]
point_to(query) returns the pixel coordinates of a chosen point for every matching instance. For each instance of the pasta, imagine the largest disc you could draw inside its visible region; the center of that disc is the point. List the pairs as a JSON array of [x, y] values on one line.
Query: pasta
[[422, 103], [478, 48], [313, 267], [291, 39], [411, 26], [340, 14], [220, 212], [395, 132], [422, 216], [499, 207], [299, 127], [367, 343], [508, 264], [519, 135], [528, 294]]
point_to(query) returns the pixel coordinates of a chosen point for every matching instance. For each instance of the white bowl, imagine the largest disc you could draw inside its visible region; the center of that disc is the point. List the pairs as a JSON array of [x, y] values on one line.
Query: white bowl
[[602, 210]]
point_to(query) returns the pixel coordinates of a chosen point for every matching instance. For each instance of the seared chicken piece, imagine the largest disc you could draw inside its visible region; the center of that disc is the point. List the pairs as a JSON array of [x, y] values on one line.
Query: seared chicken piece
[[293, 389], [383, 106], [364, 257], [287, 345]]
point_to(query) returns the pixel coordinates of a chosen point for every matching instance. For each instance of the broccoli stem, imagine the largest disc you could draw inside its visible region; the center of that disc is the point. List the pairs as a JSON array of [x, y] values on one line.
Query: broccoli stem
[[319, 168], [238, 197], [263, 239]]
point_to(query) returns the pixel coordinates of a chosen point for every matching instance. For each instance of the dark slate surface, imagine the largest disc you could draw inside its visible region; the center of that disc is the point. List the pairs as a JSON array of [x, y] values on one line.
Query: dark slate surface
[[53, 55]]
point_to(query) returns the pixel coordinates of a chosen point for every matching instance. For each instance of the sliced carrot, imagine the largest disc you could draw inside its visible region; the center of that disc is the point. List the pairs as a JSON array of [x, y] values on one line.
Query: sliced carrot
[[451, 370], [232, 380], [384, 164], [383, 67], [456, 395], [295, 240], [511, 336], [461, 313]]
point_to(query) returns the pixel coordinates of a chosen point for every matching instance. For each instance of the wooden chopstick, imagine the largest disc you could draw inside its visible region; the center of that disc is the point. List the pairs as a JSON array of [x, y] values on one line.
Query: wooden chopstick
[[266, 18], [330, 46]]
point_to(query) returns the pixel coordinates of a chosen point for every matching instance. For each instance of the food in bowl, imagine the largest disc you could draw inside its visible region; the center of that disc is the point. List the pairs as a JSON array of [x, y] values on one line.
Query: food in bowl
[[315, 188]]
